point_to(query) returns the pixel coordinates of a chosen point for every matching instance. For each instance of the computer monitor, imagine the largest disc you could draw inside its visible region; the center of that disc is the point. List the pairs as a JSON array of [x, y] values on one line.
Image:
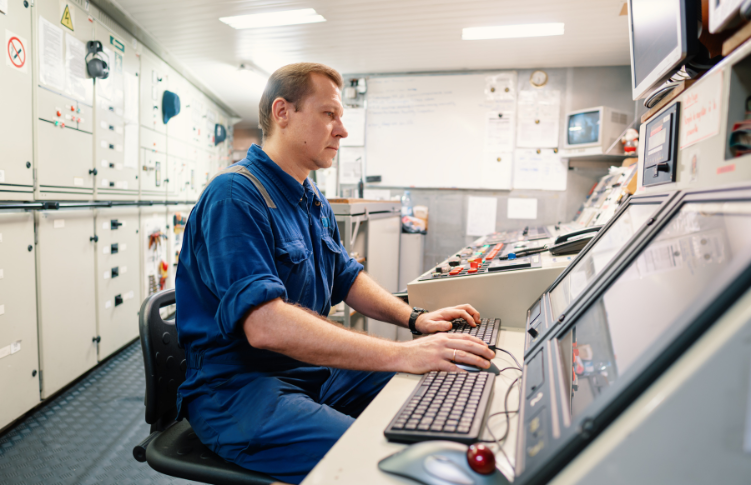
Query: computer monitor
[[674, 284], [594, 131], [723, 14], [663, 36]]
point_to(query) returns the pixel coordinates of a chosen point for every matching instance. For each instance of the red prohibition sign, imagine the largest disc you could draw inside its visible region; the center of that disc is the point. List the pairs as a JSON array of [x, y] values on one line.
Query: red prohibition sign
[[16, 52]]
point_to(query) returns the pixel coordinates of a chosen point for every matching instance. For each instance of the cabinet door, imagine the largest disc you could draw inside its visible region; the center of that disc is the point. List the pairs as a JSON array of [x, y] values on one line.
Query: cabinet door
[[383, 263], [154, 250], [118, 295], [65, 280], [19, 359], [177, 218], [15, 98]]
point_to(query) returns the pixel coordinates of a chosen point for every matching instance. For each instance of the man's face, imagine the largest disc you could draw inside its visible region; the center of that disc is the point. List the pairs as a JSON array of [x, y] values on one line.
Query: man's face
[[314, 131]]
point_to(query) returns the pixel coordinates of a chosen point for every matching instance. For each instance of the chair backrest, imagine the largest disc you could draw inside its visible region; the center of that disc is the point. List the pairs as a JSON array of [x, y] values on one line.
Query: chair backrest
[[163, 358]]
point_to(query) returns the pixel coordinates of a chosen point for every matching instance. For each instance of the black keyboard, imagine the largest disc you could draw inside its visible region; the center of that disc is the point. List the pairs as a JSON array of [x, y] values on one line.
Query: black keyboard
[[487, 330], [445, 406]]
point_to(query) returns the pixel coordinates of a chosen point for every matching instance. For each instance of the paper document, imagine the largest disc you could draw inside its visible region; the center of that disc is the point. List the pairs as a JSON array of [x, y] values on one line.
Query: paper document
[[538, 114], [700, 110], [496, 170], [51, 65], [354, 122], [540, 171], [522, 208], [499, 131], [481, 215], [351, 161], [75, 67], [130, 99], [4, 6]]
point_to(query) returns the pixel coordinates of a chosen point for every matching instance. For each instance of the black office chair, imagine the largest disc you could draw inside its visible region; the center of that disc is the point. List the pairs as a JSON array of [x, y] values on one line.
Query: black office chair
[[172, 447]]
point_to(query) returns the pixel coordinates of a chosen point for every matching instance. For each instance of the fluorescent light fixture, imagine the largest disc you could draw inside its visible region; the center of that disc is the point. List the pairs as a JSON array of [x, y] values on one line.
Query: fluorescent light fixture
[[512, 31], [273, 19]]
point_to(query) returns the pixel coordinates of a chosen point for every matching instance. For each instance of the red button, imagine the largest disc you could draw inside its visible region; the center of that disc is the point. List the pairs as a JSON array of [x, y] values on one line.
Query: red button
[[472, 270], [454, 272], [59, 113], [72, 108], [63, 125]]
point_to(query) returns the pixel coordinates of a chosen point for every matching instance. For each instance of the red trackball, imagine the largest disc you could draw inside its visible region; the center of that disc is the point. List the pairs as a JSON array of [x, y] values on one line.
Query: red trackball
[[481, 459]]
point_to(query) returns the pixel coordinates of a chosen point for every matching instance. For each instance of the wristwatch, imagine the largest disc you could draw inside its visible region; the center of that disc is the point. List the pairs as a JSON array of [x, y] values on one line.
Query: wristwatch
[[416, 312]]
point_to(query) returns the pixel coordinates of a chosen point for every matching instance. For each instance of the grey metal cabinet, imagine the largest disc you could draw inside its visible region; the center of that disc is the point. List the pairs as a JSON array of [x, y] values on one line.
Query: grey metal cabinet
[[19, 358], [16, 173], [66, 296], [117, 282]]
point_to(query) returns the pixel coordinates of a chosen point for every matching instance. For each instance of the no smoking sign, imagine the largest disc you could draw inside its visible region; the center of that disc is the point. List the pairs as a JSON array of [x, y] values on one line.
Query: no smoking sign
[[16, 52]]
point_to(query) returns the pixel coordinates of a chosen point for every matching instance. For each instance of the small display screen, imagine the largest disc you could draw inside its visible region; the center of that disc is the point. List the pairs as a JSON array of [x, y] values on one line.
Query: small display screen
[[584, 128], [599, 255], [654, 33], [701, 241]]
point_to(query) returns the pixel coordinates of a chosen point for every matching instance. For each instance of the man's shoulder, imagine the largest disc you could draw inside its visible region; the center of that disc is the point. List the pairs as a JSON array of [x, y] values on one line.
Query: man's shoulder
[[239, 182]]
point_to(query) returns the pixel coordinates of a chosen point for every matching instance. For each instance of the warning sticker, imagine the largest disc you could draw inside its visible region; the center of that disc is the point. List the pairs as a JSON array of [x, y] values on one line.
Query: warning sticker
[[67, 16], [16, 52]]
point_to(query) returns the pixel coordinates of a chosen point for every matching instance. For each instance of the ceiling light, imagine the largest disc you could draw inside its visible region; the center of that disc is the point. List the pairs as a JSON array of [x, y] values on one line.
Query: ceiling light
[[512, 31], [274, 19]]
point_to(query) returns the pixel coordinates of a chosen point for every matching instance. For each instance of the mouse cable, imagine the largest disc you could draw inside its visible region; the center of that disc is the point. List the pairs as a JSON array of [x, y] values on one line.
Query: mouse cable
[[502, 440], [518, 365]]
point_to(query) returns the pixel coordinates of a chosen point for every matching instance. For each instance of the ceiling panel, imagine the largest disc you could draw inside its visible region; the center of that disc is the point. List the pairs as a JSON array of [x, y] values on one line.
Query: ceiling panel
[[366, 36]]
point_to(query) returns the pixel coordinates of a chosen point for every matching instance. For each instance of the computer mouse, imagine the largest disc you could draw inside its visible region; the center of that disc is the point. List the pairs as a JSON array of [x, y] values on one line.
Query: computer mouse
[[471, 368], [438, 463]]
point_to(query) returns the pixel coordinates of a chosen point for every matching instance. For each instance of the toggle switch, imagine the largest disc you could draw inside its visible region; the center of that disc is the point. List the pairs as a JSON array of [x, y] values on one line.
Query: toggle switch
[[118, 300]]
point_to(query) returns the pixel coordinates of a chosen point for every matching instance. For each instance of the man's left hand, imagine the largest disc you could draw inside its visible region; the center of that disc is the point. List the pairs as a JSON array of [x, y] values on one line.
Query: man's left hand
[[440, 320]]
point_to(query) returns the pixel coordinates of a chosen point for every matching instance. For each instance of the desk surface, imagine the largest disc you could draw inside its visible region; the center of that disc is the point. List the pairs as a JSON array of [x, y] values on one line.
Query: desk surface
[[354, 458]]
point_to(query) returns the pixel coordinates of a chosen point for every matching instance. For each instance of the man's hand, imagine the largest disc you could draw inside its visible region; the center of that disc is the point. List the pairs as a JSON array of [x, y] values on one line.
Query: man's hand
[[437, 352], [440, 320]]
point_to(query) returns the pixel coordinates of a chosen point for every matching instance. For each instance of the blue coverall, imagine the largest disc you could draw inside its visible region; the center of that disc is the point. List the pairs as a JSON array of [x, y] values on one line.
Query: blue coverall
[[257, 234]]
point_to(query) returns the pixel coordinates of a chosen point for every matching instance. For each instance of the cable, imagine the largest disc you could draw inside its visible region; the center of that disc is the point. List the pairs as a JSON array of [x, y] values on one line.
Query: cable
[[499, 442], [518, 365]]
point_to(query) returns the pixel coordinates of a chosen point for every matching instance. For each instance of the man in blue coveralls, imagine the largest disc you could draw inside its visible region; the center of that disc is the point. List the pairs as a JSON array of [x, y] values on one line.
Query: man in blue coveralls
[[271, 384]]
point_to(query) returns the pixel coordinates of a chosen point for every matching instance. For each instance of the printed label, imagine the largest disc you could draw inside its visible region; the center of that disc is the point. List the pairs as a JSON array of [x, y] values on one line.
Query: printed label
[[15, 346], [77, 181], [123, 269], [106, 249], [107, 304], [107, 275], [58, 223], [2, 274]]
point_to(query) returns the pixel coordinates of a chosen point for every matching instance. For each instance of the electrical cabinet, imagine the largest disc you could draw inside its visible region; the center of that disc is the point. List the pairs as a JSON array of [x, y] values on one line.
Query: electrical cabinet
[[177, 218], [64, 101], [115, 140], [153, 165], [16, 173], [153, 83], [19, 358], [117, 282], [154, 243], [66, 296]]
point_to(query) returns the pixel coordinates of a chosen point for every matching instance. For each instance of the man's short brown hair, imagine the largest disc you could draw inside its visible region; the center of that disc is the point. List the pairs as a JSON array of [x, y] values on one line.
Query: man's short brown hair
[[292, 83]]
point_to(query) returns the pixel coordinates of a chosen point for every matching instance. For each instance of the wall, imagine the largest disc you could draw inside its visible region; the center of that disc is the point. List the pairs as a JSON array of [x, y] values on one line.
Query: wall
[[244, 138], [584, 87]]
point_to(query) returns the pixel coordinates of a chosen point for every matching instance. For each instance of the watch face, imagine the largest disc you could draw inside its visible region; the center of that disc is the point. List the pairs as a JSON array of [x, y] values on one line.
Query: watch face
[[417, 309]]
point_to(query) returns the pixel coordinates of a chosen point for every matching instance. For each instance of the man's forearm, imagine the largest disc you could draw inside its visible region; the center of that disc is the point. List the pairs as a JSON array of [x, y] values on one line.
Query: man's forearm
[[302, 335], [369, 298]]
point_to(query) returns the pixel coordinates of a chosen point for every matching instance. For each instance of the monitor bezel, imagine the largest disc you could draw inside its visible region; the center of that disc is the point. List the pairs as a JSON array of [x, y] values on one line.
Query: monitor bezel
[[668, 66], [601, 110], [706, 309]]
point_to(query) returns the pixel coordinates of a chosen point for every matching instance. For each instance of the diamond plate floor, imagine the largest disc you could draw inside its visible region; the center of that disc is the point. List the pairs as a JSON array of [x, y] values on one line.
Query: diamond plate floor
[[86, 435]]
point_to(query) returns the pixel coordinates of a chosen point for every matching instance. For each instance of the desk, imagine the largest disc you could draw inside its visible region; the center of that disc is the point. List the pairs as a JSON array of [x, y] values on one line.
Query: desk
[[354, 458]]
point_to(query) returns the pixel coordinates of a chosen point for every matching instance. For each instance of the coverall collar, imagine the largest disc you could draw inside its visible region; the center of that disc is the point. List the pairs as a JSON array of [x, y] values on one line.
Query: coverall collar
[[288, 185]]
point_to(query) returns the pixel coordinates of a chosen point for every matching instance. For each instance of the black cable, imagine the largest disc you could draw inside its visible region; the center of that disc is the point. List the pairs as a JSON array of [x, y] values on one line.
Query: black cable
[[500, 441], [518, 365]]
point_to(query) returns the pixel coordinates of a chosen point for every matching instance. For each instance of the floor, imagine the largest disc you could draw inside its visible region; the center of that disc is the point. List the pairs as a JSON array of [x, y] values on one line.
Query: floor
[[85, 435]]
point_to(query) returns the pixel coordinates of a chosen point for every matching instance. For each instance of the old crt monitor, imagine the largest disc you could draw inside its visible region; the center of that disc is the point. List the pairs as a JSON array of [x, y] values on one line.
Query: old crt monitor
[[663, 36], [675, 282], [595, 131]]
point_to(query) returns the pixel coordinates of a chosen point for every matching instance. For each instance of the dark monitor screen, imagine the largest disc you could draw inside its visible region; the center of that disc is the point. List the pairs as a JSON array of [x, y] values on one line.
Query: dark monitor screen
[[599, 255], [584, 128], [679, 264], [654, 34]]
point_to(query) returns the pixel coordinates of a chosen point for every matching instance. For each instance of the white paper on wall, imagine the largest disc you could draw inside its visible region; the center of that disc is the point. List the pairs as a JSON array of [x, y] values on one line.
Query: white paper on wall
[[481, 215], [540, 171], [499, 131], [4, 6], [521, 208], [700, 110], [496, 170], [538, 115], [51, 65], [351, 160], [75, 67], [502, 86], [354, 122]]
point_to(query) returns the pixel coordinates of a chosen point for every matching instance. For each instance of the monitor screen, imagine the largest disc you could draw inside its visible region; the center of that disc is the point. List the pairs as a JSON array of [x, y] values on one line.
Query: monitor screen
[[599, 255], [584, 128], [678, 265], [654, 34]]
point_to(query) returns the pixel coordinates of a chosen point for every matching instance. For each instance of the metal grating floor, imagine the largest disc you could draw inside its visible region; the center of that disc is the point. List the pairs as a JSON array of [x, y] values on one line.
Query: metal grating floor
[[85, 435]]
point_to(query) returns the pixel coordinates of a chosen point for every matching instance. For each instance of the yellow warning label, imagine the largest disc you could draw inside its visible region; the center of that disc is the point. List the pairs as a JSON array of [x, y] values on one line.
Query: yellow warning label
[[67, 20]]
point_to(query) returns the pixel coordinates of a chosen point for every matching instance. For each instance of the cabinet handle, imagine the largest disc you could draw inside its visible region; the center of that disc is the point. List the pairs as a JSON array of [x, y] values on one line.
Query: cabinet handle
[[96, 340], [94, 238], [93, 171]]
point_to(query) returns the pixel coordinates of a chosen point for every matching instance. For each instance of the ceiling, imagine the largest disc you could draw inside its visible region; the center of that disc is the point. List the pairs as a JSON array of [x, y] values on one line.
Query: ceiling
[[376, 36]]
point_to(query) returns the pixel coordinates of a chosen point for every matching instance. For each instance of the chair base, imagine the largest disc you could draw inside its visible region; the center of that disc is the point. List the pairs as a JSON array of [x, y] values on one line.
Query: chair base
[[178, 452]]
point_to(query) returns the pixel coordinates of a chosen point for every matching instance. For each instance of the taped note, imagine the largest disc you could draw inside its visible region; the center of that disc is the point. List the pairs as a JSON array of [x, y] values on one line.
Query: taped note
[[522, 208], [4, 351], [481, 215], [700, 108], [538, 114], [540, 171], [51, 65], [499, 131], [75, 67]]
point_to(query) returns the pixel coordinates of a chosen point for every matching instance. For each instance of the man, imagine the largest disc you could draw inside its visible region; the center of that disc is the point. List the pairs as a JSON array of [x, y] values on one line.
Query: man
[[271, 385]]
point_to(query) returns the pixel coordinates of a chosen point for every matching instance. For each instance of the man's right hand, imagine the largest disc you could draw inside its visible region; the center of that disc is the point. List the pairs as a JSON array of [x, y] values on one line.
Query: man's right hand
[[436, 352]]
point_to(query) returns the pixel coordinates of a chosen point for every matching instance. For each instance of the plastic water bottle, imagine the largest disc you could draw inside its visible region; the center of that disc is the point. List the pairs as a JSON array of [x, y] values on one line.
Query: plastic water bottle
[[407, 204]]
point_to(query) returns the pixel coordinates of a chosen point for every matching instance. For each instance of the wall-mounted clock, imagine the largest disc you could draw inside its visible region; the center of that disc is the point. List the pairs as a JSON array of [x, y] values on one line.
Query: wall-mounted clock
[[538, 79]]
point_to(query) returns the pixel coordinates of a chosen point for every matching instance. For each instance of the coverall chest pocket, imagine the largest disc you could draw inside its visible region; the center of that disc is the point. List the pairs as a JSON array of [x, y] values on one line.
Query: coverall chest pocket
[[292, 261], [331, 252]]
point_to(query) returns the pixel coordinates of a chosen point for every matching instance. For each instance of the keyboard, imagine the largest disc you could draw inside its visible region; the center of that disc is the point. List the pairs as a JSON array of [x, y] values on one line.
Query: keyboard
[[487, 330], [444, 406]]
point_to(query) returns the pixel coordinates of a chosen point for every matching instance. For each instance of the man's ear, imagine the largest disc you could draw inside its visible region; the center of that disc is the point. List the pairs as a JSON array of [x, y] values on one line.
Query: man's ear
[[280, 110]]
